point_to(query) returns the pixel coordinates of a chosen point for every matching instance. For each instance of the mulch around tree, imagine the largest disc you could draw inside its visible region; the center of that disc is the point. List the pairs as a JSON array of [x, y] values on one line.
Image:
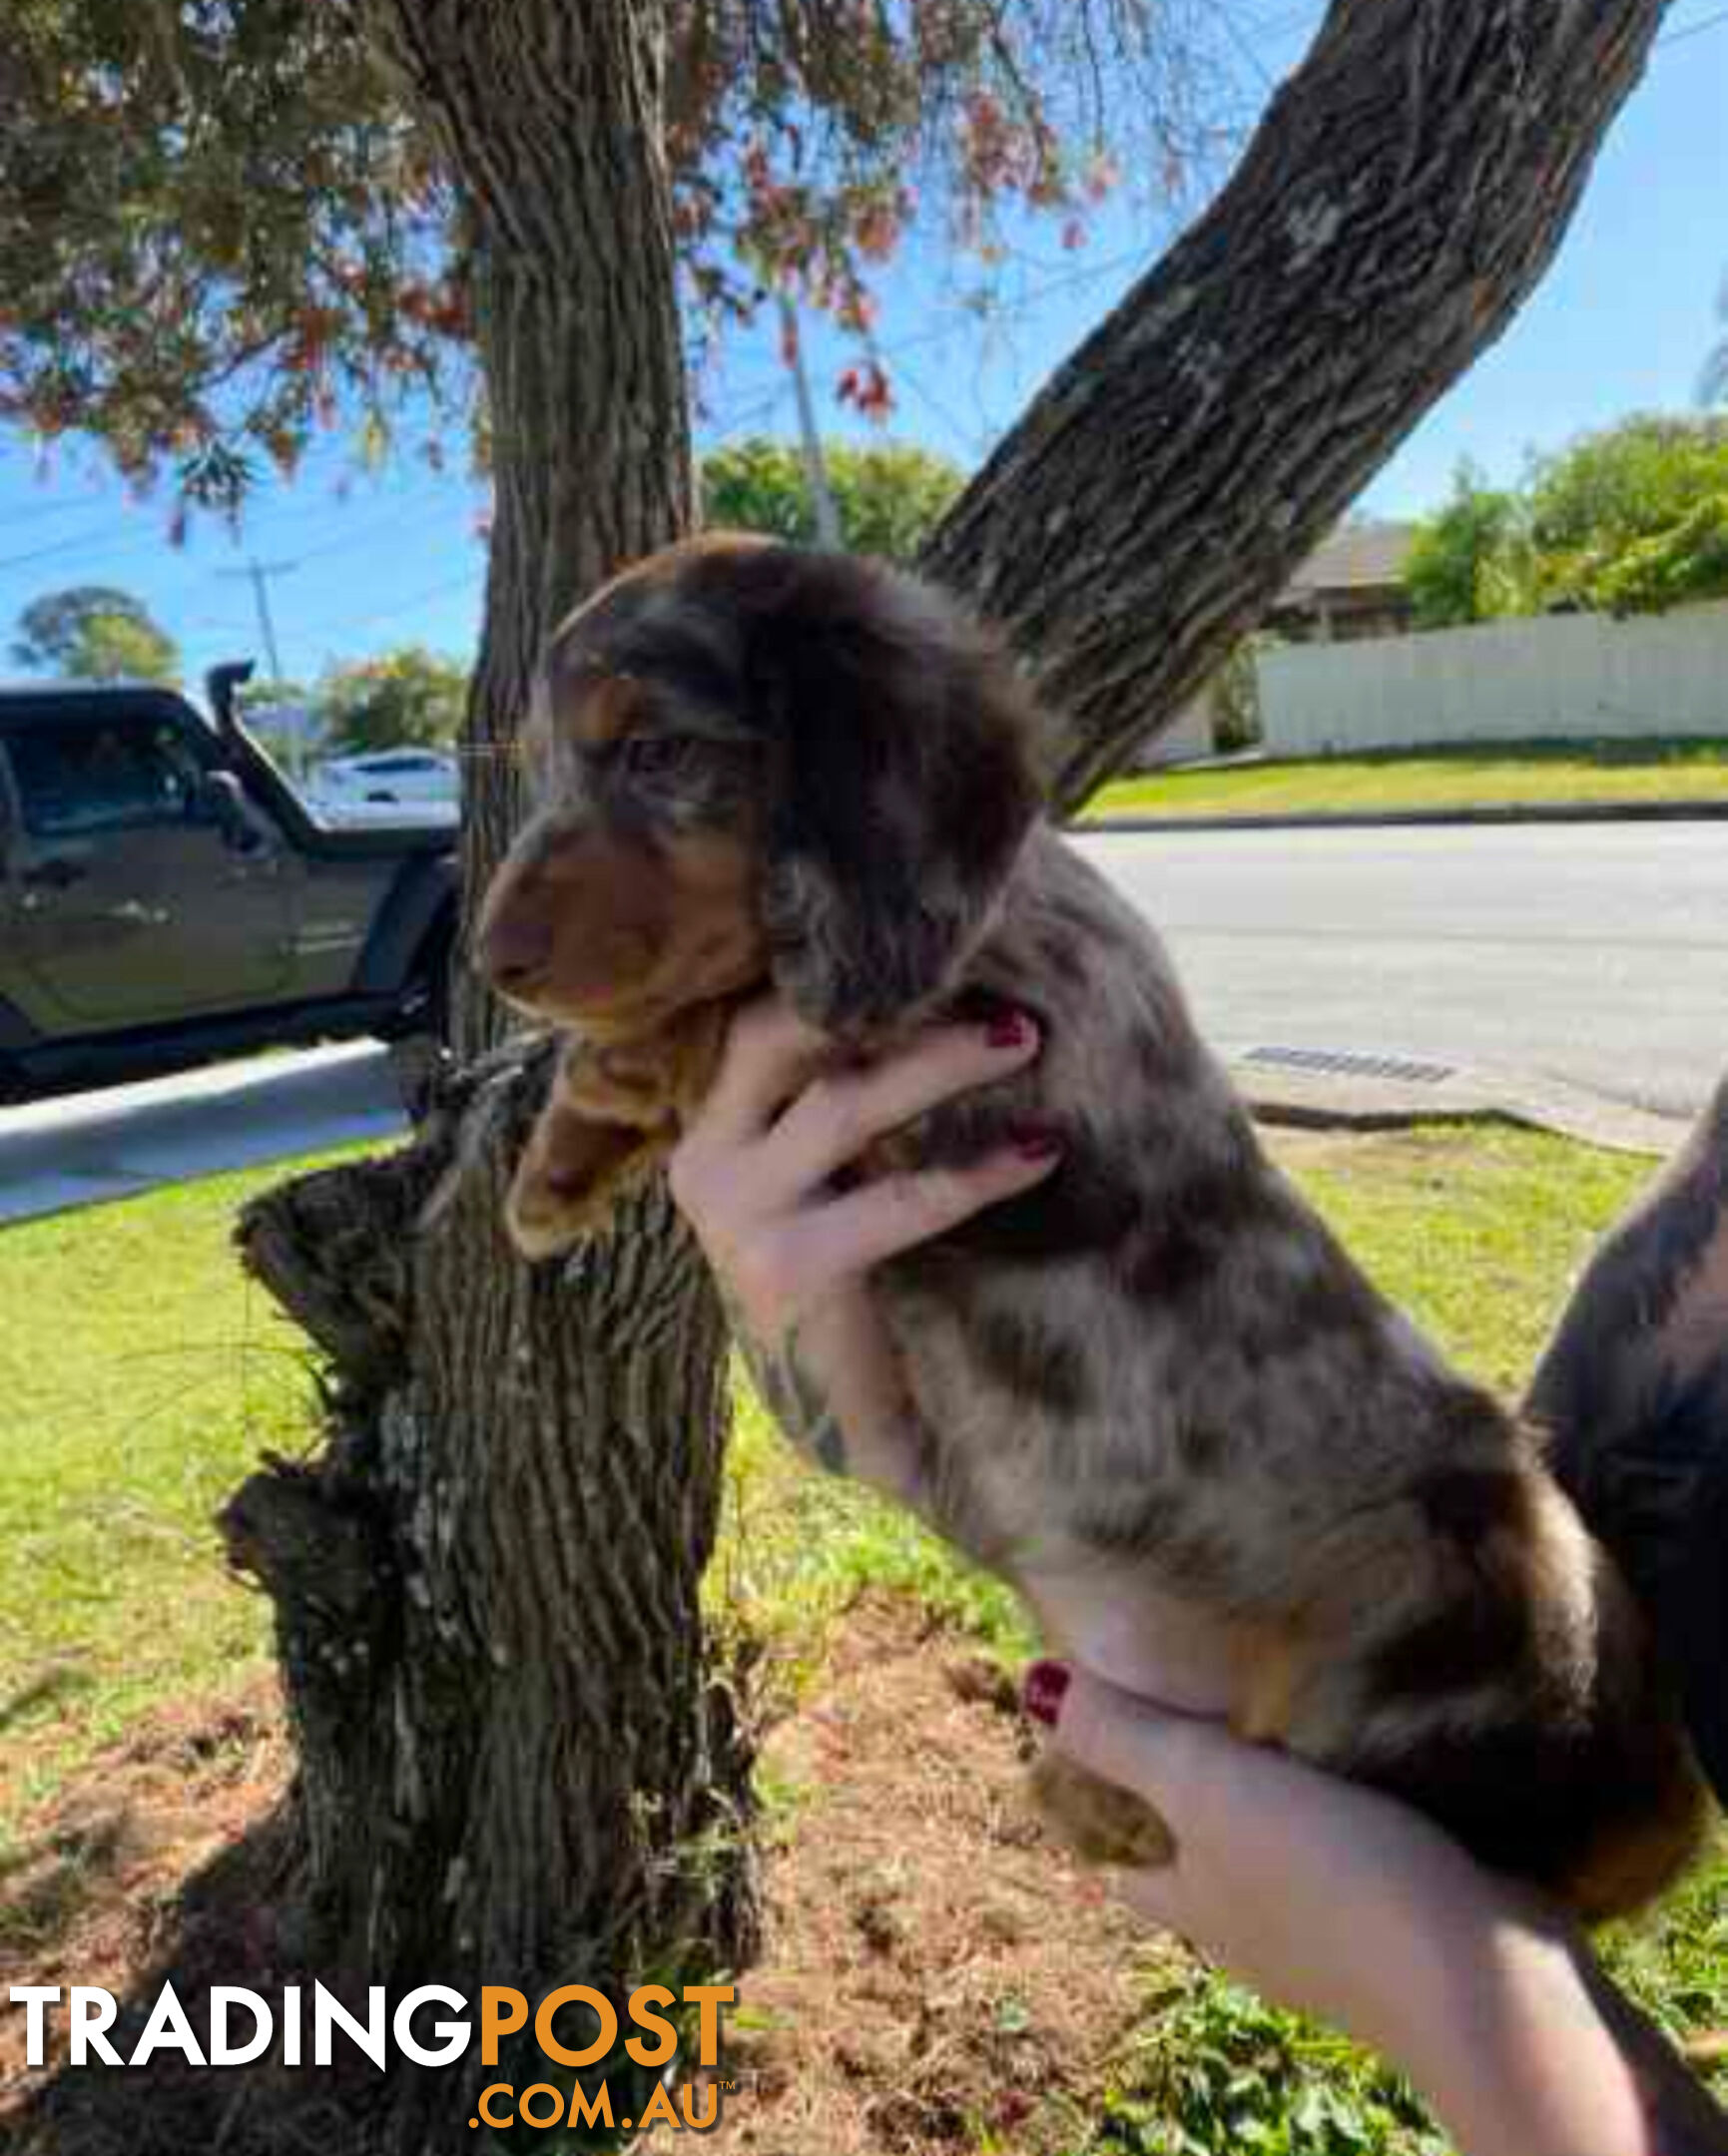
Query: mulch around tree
[[934, 1972]]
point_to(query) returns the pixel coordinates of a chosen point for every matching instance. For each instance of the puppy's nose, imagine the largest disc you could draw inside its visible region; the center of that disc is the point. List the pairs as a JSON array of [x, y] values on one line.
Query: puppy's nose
[[515, 949]]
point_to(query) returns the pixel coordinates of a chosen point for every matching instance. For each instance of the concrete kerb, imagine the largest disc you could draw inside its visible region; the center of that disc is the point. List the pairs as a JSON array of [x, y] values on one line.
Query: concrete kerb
[[1507, 812], [1308, 1100]]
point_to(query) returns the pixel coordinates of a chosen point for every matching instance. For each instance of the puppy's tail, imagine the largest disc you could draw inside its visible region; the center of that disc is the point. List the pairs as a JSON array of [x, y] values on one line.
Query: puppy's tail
[[1511, 1688]]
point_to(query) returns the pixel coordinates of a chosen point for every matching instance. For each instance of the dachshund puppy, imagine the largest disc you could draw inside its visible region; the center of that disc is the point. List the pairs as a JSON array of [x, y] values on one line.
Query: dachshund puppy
[[1152, 1393]]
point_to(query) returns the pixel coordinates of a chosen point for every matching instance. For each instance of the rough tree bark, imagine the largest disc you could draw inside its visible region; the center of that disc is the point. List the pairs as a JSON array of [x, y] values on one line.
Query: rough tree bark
[[515, 1763], [516, 1766]]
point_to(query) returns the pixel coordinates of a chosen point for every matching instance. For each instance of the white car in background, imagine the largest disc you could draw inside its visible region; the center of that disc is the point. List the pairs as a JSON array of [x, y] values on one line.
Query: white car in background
[[380, 786]]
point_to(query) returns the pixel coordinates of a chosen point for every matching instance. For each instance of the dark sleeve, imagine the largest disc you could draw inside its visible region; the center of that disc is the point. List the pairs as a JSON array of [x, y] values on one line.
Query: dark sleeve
[[1683, 2119], [1637, 1422]]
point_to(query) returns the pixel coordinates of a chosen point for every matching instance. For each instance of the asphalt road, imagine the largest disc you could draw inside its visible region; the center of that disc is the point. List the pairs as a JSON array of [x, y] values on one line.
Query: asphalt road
[[1592, 953]]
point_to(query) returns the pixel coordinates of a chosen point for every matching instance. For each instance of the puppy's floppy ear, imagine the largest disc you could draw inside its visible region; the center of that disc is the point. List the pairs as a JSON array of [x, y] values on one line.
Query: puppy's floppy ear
[[902, 787]]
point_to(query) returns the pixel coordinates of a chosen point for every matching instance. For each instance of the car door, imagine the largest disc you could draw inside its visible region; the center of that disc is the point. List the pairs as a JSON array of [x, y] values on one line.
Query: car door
[[131, 902]]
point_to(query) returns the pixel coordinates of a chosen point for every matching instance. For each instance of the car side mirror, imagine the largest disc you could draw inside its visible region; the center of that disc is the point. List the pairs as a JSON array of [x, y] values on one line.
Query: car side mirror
[[221, 802]]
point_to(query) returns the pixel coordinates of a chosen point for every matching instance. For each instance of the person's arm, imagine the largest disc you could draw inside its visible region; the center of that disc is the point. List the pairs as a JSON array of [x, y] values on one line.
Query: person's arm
[[755, 1175], [1633, 1391], [1351, 1908], [1649, 1311]]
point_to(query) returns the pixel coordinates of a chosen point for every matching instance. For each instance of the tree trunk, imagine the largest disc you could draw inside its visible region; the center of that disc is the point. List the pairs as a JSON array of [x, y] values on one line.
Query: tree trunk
[[516, 1766], [486, 1587], [1398, 203]]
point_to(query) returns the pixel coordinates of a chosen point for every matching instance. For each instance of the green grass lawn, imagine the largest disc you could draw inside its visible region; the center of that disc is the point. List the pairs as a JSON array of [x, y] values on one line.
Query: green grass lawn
[[140, 1377], [1522, 773]]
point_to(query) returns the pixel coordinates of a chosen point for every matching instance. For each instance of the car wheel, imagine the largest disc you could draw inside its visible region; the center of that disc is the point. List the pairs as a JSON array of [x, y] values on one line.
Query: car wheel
[[419, 1045]]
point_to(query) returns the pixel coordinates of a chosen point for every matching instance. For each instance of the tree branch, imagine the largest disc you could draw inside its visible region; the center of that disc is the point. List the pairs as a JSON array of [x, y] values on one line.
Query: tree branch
[[1398, 203]]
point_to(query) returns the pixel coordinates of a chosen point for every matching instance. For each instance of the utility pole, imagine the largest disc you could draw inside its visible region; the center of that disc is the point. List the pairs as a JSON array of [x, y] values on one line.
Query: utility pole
[[816, 469], [257, 574]]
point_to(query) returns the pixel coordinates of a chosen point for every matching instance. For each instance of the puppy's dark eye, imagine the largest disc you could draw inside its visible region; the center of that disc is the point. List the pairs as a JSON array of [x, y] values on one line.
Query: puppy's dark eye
[[660, 755]]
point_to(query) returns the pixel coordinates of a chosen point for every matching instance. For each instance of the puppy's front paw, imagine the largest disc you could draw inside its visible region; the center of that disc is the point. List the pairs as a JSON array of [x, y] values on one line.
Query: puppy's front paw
[[546, 1213], [570, 1179], [1101, 1823]]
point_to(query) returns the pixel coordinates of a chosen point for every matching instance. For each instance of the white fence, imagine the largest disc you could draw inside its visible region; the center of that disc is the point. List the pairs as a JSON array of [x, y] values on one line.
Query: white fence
[[1564, 677]]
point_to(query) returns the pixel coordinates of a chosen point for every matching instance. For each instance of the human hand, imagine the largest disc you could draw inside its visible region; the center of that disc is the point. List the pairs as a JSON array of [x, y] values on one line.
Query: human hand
[[1321, 1893], [754, 1173], [1350, 1906]]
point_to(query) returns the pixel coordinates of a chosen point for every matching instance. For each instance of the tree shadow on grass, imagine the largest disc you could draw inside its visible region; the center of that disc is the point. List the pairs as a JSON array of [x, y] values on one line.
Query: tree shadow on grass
[[47, 1883], [233, 1922]]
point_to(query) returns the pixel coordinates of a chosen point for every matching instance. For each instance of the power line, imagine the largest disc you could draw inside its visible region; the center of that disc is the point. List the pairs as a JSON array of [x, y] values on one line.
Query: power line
[[99, 512], [291, 515], [960, 320], [1694, 29], [1304, 18], [1233, 30], [1291, 21], [60, 546], [103, 518], [751, 414], [367, 534], [1026, 303], [82, 544], [976, 438], [349, 623]]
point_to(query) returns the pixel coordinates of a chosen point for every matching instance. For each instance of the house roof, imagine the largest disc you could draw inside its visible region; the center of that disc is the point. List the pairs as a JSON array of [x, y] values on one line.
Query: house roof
[[1356, 558]]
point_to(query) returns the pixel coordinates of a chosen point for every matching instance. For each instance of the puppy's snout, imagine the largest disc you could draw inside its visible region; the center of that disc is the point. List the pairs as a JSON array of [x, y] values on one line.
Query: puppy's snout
[[514, 948]]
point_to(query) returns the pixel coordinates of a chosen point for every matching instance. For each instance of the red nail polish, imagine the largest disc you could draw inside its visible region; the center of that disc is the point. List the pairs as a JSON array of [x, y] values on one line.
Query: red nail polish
[[1010, 1031], [1046, 1684], [1036, 1141]]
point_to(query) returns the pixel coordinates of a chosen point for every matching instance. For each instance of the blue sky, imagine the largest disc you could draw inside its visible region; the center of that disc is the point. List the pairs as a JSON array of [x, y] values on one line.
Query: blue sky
[[1622, 322]]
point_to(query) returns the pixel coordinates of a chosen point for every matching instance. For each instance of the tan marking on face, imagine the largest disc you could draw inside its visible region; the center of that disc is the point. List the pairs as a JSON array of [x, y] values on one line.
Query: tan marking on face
[[604, 710], [714, 941], [637, 932]]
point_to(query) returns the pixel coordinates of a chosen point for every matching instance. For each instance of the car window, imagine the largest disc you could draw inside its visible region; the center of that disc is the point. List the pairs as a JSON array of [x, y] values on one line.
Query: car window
[[388, 765], [74, 778]]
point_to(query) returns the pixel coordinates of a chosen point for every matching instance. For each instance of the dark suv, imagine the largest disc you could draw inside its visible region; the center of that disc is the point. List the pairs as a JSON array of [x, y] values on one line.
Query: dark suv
[[166, 896]]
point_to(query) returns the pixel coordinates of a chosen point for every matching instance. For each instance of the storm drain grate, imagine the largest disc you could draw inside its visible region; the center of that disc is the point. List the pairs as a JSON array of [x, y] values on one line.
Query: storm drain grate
[[1346, 1064]]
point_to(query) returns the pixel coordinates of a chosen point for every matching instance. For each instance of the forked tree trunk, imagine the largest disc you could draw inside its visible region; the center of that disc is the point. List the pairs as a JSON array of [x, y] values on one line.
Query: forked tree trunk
[[516, 1765]]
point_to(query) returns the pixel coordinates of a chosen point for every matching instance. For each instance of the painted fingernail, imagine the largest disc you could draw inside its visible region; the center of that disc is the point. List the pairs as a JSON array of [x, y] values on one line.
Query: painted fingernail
[[1010, 1031], [1043, 1689], [1036, 1141]]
